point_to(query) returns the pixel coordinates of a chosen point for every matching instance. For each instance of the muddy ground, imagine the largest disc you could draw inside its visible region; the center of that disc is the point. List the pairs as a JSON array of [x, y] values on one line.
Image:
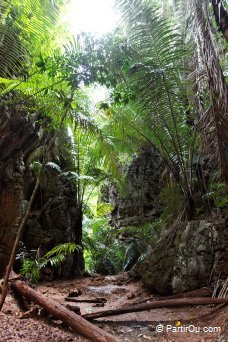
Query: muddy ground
[[118, 290]]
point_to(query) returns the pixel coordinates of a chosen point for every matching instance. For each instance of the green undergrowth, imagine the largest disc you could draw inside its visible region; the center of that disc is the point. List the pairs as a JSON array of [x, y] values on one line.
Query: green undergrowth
[[103, 252], [218, 192], [33, 265], [108, 250]]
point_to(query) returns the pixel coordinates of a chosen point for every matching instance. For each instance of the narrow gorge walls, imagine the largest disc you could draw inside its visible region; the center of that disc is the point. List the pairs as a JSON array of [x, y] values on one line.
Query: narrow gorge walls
[[17, 138], [56, 216]]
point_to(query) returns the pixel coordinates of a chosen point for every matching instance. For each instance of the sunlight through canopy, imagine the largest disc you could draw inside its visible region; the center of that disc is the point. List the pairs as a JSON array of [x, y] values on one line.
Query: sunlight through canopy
[[95, 16]]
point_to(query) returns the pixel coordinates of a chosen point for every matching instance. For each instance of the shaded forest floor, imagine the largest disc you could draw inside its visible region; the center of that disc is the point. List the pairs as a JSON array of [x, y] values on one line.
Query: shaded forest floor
[[118, 290]]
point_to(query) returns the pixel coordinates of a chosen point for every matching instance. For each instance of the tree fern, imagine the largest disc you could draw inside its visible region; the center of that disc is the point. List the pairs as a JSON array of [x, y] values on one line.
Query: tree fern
[[156, 73]]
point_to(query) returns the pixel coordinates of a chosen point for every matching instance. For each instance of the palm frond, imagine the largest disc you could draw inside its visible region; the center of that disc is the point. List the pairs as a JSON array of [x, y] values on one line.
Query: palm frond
[[24, 30], [158, 73]]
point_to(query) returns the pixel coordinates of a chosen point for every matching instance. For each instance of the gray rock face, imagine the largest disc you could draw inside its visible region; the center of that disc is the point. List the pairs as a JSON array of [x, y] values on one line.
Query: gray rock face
[[55, 216], [143, 181], [194, 257], [54, 219], [17, 138]]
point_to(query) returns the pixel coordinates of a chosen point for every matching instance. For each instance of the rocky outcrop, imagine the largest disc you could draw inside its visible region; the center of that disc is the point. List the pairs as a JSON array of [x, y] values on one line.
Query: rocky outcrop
[[17, 138], [140, 203], [55, 216], [196, 255]]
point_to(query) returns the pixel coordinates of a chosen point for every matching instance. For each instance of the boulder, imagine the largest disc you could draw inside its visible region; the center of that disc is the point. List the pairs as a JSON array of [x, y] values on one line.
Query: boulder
[[190, 260]]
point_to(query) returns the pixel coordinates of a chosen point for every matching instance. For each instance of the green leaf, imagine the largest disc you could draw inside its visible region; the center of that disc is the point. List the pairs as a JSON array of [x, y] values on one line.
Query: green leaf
[[36, 167]]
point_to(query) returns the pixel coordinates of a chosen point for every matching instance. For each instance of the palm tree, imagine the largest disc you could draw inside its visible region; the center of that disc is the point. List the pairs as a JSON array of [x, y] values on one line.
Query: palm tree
[[157, 75], [166, 109]]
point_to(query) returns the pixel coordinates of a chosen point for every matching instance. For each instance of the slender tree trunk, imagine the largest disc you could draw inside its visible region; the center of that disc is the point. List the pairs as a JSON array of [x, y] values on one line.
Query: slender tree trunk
[[16, 243], [78, 260], [191, 210]]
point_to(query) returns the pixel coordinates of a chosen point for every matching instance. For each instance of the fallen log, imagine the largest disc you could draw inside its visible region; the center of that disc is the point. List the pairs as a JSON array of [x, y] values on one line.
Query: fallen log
[[74, 321], [155, 305], [199, 293], [95, 300], [203, 292]]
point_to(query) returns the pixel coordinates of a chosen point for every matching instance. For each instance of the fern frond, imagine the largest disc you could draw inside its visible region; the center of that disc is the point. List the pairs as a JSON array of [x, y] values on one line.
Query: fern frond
[[31, 268]]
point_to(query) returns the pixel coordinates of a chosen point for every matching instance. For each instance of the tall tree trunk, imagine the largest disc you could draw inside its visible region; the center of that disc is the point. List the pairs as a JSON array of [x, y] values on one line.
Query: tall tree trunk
[[221, 17], [78, 260], [211, 84]]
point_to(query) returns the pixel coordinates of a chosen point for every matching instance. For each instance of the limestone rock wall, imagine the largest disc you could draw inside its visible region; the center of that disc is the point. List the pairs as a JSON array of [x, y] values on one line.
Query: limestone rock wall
[[55, 216], [139, 204], [188, 257], [195, 257], [54, 219], [17, 138]]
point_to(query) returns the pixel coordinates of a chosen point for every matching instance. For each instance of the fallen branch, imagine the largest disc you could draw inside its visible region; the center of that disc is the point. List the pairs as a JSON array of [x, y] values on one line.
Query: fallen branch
[[74, 321], [199, 293], [155, 305], [95, 300], [203, 292]]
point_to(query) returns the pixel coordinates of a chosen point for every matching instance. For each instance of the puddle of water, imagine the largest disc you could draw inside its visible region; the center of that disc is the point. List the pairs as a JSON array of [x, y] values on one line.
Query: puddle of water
[[105, 289]]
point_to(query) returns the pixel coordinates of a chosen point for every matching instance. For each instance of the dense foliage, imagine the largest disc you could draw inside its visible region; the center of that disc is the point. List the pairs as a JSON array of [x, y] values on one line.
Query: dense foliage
[[167, 89]]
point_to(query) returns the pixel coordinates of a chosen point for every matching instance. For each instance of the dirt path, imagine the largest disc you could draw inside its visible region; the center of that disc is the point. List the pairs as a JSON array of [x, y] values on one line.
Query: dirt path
[[132, 327]]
